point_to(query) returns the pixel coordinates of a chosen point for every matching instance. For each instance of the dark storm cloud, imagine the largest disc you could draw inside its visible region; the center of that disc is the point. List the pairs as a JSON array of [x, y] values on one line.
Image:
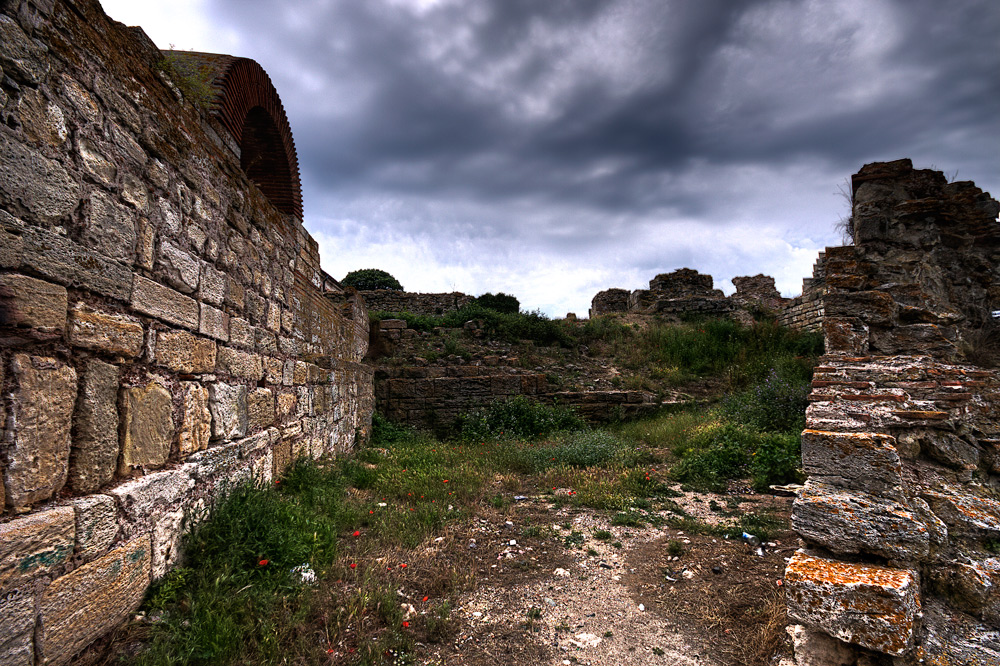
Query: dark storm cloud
[[584, 100], [567, 124]]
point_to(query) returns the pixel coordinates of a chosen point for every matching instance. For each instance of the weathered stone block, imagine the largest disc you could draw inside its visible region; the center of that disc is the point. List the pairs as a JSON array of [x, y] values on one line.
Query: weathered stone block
[[212, 288], [260, 408], [96, 524], [166, 543], [183, 352], [860, 461], [34, 545], [148, 427], [871, 606], [61, 260], [41, 185], [853, 521], [111, 333], [110, 229], [845, 336], [228, 404], [25, 301], [164, 303], [94, 452], [945, 447], [195, 429], [179, 269], [42, 402], [965, 513], [240, 364], [273, 370], [218, 461], [17, 617], [83, 605], [267, 342], [241, 333], [286, 405], [151, 495], [255, 445], [214, 323]]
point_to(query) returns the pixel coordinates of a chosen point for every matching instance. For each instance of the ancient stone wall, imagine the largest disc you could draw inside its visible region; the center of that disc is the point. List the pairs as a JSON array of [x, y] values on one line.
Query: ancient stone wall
[[609, 301], [805, 312], [165, 328], [757, 292], [434, 395], [386, 300], [900, 514]]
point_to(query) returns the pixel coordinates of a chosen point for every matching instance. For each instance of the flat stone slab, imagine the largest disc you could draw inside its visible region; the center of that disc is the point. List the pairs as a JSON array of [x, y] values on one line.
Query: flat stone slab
[[853, 521], [871, 606], [83, 605], [35, 544]]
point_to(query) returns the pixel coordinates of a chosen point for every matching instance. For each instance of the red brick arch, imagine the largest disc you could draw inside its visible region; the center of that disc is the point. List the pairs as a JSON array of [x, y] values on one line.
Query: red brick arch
[[247, 104]]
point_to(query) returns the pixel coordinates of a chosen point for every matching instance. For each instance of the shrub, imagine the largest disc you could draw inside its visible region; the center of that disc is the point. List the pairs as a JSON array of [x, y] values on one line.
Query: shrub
[[775, 404], [533, 326], [371, 279], [500, 302], [518, 417], [778, 459]]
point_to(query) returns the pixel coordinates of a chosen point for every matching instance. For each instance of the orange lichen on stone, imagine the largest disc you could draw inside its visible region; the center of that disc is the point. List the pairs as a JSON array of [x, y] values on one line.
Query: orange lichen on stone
[[871, 606]]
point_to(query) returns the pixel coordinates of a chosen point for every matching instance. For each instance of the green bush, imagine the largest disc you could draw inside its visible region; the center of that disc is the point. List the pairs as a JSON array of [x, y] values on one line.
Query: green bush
[[500, 302], [371, 279], [778, 459], [776, 403], [517, 418]]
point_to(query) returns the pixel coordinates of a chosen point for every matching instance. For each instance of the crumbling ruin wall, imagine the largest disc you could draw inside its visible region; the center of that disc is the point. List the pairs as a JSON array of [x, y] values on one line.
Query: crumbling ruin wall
[[900, 514], [387, 300], [165, 328], [433, 395], [609, 301], [805, 312]]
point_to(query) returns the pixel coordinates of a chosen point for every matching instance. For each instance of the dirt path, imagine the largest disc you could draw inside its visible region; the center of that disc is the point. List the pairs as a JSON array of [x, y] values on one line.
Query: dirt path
[[548, 591]]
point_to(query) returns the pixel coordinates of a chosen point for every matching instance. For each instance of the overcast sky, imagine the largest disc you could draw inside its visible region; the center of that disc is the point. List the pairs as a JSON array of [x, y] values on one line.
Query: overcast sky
[[554, 148]]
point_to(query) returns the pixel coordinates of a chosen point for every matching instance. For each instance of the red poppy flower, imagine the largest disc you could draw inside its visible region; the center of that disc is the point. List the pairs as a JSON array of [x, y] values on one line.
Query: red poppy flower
[[426, 598], [262, 563], [354, 565], [357, 533], [446, 481], [405, 623], [403, 565]]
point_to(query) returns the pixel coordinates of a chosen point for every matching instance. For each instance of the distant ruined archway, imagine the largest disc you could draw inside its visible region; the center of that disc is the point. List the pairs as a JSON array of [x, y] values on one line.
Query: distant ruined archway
[[246, 103]]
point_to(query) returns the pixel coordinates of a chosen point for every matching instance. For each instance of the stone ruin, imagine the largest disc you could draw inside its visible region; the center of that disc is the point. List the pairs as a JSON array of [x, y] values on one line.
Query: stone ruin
[[687, 292], [165, 327], [900, 514], [432, 305]]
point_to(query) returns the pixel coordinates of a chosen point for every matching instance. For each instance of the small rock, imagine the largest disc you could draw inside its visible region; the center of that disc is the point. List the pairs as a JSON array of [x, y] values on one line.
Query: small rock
[[642, 608], [716, 569], [561, 572], [550, 602]]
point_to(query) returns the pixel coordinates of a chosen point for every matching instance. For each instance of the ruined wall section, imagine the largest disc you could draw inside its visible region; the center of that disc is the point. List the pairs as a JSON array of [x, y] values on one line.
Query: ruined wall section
[[386, 300], [805, 312], [164, 330], [900, 513]]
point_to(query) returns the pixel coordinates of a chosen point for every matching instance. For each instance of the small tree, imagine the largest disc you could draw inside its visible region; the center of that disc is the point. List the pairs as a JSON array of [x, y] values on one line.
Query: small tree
[[500, 302], [370, 279]]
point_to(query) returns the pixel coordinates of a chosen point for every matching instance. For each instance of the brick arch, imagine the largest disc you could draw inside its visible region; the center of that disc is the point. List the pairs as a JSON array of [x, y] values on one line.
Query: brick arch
[[246, 103]]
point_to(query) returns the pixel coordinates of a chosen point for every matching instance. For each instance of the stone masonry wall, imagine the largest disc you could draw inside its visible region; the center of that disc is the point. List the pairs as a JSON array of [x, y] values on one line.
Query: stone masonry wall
[[434, 396], [165, 331], [386, 300], [900, 513], [805, 312]]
